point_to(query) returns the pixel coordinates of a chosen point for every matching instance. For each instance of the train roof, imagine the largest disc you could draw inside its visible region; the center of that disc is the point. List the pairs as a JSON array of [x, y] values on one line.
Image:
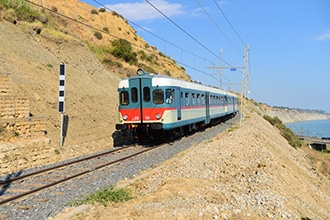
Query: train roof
[[159, 80]]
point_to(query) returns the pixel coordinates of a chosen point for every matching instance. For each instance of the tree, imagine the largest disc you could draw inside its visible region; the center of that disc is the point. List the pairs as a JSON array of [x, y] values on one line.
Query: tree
[[123, 49]]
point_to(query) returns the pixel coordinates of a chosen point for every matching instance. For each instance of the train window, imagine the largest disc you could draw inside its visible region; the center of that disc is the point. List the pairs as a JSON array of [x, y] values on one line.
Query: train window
[[198, 99], [169, 96], [146, 94], [203, 99], [193, 99], [124, 98], [187, 98], [134, 94], [182, 100], [158, 96]]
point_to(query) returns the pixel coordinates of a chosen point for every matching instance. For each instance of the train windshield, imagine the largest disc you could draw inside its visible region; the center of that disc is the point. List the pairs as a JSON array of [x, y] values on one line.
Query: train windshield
[[124, 100], [158, 96], [146, 94], [134, 93]]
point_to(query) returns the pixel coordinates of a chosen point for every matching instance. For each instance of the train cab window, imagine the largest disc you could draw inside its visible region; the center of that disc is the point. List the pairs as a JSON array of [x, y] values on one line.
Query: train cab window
[[169, 94], [187, 98], [146, 94], [124, 100], [134, 95], [225, 99], [158, 96]]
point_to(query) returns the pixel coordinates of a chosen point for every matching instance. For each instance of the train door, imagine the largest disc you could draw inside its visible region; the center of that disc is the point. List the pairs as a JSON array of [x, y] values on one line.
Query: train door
[[226, 104], [178, 102], [233, 102], [207, 107], [140, 96]]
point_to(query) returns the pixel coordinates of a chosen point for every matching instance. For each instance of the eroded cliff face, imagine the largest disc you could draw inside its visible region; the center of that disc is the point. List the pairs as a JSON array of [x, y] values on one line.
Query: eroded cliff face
[[288, 115]]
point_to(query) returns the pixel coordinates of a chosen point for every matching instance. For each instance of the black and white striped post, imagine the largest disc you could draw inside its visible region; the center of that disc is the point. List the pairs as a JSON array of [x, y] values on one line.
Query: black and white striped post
[[61, 98]]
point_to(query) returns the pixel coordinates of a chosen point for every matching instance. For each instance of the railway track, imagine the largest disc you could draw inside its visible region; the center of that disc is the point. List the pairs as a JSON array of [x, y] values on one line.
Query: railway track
[[50, 201], [24, 185]]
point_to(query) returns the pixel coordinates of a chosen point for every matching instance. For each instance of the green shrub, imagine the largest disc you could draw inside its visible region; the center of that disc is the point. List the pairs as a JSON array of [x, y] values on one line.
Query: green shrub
[[123, 49], [106, 29], [22, 9], [102, 10], [284, 131], [98, 35], [117, 15], [106, 195], [54, 9], [94, 11]]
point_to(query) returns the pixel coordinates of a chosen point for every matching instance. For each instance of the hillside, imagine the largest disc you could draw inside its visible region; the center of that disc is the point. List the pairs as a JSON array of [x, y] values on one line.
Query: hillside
[[30, 54], [32, 47], [247, 172]]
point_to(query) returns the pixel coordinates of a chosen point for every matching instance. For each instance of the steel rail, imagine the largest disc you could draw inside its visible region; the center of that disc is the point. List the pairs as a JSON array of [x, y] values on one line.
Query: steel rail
[[8, 181], [73, 176]]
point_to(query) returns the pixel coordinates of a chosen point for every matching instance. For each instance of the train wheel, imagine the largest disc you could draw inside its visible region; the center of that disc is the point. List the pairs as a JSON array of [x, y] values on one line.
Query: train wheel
[[139, 134]]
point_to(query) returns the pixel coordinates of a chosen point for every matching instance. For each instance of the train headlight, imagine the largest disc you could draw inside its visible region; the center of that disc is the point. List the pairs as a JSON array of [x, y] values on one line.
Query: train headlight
[[158, 116], [125, 117]]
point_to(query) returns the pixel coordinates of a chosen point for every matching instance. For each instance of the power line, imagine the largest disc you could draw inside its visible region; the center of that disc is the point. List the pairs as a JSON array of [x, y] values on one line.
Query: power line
[[183, 64], [94, 28], [155, 34], [218, 27], [186, 32], [229, 22]]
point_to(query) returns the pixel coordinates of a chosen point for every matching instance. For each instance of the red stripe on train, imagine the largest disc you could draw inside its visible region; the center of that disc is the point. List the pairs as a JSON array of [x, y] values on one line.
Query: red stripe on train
[[148, 113]]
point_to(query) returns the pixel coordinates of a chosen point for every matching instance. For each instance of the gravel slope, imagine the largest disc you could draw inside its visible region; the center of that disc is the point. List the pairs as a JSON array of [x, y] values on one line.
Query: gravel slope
[[248, 173]]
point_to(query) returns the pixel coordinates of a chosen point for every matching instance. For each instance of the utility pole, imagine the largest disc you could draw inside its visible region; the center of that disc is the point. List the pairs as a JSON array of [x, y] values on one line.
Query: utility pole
[[220, 68], [245, 81], [245, 78]]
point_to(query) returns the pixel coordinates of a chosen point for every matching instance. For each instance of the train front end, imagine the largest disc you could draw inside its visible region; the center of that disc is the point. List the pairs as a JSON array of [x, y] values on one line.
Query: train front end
[[141, 106]]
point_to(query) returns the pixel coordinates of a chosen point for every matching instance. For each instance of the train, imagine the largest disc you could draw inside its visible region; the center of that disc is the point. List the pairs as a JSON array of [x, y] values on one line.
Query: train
[[155, 106]]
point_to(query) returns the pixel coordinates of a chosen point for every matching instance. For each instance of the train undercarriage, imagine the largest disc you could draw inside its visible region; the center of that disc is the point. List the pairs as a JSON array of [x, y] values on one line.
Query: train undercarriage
[[141, 132]]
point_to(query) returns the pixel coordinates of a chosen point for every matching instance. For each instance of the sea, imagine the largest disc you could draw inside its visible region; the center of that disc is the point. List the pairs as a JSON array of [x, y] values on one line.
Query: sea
[[317, 128]]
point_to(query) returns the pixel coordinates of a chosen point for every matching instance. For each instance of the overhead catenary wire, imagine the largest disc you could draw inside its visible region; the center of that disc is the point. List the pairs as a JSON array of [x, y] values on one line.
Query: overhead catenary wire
[[229, 22], [183, 64], [97, 29], [216, 24], [192, 37], [144, 29]]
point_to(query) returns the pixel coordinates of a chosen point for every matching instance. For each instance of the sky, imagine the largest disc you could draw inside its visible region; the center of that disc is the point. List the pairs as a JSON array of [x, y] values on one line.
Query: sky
[[287, 41]]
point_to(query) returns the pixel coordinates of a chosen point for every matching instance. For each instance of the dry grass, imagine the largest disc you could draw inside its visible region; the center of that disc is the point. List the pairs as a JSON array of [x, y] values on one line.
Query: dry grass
[[319, 159]]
